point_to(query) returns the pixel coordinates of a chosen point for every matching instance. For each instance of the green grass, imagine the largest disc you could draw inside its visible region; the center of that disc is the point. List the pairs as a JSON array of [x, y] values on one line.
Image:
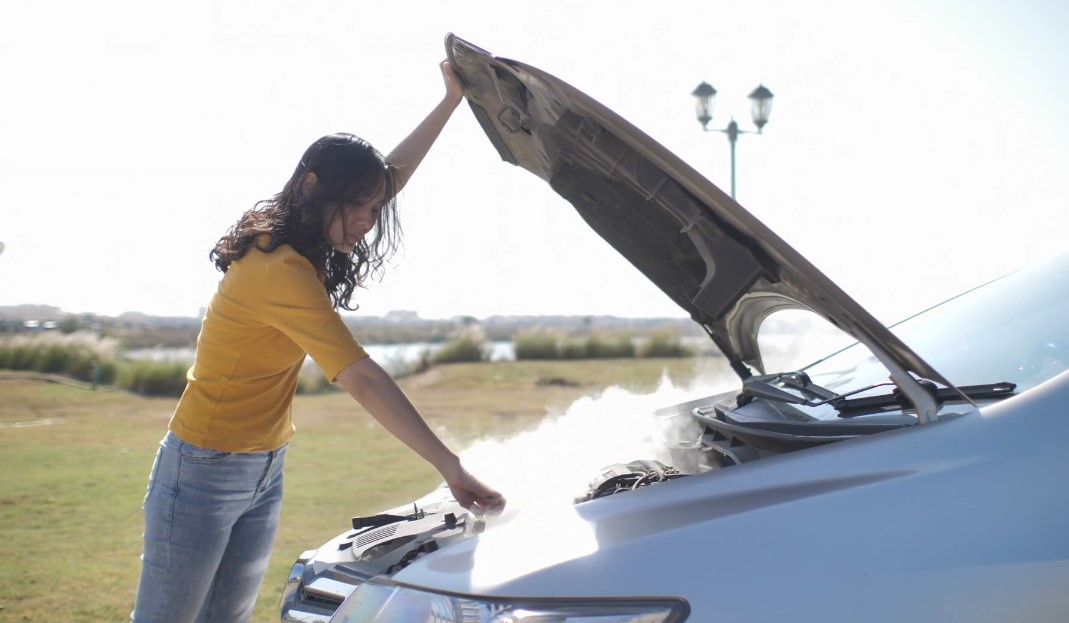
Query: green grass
[[71, 490]]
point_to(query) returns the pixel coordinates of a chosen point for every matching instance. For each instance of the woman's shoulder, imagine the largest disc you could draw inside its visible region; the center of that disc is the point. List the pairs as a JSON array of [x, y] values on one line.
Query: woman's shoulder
[[280, 278], [281, 262]]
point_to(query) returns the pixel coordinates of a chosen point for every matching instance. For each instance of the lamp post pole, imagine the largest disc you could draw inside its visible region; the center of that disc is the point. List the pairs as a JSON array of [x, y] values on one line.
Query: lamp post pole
[[760, 108]]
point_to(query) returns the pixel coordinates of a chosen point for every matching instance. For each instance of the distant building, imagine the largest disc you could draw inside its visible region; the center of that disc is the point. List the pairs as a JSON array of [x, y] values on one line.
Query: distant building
[[402, 315]]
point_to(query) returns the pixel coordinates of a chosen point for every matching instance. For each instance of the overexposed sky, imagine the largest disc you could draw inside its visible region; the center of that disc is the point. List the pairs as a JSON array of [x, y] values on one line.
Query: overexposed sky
[[915, 147]]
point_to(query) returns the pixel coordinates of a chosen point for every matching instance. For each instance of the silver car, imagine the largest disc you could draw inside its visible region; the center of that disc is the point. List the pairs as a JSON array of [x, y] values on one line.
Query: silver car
[[911, 476]]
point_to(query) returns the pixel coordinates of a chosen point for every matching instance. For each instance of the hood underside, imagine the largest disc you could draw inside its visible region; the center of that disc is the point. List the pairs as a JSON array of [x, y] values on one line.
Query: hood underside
[[725, 268]]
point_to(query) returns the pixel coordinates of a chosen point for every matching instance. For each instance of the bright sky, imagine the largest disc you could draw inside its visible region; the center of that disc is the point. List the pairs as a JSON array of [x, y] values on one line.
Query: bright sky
[[915, 148]]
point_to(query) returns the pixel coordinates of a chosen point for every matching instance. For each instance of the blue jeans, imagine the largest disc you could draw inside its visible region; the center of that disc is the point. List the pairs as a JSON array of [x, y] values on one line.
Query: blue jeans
[[210, 521]]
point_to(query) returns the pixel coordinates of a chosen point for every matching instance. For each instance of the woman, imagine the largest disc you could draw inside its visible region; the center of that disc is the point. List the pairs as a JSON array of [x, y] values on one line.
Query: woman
[[215, 490]]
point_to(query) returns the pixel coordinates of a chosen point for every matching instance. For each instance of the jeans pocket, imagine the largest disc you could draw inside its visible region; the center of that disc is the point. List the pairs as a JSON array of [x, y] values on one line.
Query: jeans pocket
[[196, 454]]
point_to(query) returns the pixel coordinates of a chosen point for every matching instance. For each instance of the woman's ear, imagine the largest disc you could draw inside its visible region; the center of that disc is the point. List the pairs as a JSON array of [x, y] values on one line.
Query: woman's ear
[[309, 182]]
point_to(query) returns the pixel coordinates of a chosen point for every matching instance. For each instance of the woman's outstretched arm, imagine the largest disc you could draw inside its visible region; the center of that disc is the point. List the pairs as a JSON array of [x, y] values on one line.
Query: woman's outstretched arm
[[376, 390], [410, 151]]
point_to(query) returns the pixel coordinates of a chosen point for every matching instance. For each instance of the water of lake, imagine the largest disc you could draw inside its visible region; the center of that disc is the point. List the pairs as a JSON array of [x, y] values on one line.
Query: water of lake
[[393, 357], [783, 351]]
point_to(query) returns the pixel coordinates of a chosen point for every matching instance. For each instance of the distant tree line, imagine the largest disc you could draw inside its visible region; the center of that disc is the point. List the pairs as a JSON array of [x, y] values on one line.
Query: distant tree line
[[411, 329], [100, 359], [134, 330]]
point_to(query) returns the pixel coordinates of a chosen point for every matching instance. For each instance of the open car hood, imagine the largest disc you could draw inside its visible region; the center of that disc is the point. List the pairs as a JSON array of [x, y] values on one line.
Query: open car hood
[[709, 255]]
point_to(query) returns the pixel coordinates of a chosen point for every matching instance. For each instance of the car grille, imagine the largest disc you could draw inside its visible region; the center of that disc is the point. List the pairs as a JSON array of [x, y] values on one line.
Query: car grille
[[375, 535]]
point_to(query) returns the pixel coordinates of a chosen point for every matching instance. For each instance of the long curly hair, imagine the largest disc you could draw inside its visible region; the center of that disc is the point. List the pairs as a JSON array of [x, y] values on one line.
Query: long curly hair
[[348, 170]]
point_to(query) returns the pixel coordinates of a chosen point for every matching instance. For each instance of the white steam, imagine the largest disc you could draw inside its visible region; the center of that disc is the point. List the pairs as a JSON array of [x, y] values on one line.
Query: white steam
[[555, 463]]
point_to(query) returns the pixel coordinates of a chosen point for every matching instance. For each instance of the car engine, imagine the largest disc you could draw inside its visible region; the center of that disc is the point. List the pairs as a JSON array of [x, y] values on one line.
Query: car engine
[[622, 477]]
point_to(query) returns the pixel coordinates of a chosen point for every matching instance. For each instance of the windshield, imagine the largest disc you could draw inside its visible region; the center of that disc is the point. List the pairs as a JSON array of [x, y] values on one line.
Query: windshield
[[1013, 329]]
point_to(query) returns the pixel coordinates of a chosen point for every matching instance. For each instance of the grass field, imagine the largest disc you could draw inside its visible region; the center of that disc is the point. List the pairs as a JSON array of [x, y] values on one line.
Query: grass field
[[74, 464]]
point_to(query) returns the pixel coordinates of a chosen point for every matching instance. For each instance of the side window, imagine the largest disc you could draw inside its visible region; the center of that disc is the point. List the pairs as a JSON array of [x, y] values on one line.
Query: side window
[[792, 339]]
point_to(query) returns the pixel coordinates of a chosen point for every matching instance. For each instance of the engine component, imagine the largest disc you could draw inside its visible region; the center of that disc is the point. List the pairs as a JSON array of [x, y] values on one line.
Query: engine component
[[620, 477]]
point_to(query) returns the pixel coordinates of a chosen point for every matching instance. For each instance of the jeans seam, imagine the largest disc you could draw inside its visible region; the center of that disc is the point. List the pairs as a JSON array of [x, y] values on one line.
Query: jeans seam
[[209, 601], [170, 510], [154, 475]]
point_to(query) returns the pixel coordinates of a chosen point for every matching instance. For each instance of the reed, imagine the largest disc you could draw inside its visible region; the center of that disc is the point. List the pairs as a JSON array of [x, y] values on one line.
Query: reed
[[467, 346]]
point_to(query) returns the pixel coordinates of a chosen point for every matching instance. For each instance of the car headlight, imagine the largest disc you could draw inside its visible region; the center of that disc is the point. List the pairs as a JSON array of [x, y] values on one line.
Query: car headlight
[[381, 601]]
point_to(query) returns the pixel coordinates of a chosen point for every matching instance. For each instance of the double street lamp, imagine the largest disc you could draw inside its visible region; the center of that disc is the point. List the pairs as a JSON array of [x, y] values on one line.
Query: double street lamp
[[760, 108]]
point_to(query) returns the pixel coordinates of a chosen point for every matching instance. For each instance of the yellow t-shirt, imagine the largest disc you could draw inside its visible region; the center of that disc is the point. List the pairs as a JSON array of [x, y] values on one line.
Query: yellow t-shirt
[[270, 311]]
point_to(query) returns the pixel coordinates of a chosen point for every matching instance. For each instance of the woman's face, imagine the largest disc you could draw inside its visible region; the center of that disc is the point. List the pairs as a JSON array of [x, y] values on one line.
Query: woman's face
[[347, 223], [350, 222]]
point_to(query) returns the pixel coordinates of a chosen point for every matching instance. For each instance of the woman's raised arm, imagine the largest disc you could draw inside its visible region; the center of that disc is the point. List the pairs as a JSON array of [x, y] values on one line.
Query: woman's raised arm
[[409, 152]]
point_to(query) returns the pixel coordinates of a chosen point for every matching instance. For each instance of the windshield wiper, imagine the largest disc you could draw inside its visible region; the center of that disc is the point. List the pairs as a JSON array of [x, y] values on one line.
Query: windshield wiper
[[812, 395], [775, 387], [850, 407]]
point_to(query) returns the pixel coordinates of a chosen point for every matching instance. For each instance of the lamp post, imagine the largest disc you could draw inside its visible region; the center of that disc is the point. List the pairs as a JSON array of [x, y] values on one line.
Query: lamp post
[[760, 108]]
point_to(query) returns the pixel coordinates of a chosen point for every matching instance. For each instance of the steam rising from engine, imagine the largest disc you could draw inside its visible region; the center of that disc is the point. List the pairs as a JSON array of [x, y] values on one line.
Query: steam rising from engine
[[555, 462]]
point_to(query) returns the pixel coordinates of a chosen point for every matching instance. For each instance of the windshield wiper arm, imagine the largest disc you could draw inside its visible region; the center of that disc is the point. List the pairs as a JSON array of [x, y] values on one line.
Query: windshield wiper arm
[[812, 395], [849, 407], [774, 387]]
